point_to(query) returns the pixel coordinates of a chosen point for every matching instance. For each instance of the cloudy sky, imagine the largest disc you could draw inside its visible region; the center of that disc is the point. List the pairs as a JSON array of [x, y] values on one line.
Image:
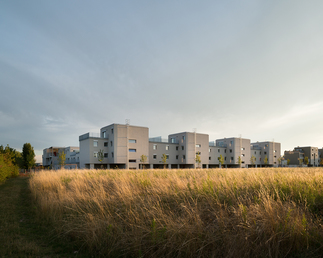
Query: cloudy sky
[[227, 68]]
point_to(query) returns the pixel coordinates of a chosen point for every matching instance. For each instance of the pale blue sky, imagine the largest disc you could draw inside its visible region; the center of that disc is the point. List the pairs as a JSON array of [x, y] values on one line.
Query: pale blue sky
[[227, 68]]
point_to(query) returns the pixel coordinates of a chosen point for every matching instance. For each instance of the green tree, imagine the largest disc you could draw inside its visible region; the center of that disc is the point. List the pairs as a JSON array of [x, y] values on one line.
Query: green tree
[[28, 156], [13, 154], [266, 160], [164, 160], [288, 162], [306, 161], [300, 162], [253, 160], [7, 168], [221, 161], [198, 159], [239, 161], [280, 160], [61, 158], [143, 160], [101, 157]]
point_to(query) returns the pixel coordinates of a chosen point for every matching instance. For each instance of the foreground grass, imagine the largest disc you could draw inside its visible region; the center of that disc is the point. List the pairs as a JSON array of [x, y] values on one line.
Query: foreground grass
[[21, 232], [186, 213]]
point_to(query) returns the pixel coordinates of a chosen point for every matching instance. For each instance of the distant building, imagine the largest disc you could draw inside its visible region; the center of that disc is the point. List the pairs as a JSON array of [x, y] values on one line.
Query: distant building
[[51, 154], [123, 146], [299, 154]]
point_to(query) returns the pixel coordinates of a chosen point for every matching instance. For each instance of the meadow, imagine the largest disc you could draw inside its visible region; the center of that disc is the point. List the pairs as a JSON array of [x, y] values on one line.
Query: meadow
[[264, 212]]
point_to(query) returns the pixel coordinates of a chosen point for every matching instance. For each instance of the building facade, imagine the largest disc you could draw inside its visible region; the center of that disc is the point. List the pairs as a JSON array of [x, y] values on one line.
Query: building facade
[[51, 157], [300, 154], [124, 146]]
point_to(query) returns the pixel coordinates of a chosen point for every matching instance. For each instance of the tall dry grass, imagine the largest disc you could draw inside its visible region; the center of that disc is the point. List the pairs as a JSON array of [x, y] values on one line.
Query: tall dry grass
[[269, 212]]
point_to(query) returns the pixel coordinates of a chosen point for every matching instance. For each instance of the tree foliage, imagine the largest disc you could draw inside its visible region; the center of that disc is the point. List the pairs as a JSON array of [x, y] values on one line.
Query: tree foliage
[[61, 158], [14, 155], [266, 160], [28, 156], [164, 159], [198, 159], [143, 160], [221, 160], [101, 157], [239, 161], [8, 166], [306, 161], [253, 160]]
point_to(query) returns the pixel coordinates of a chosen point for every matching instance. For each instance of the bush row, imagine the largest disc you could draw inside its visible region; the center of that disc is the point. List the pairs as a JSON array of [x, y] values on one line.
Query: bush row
[[7, 168]]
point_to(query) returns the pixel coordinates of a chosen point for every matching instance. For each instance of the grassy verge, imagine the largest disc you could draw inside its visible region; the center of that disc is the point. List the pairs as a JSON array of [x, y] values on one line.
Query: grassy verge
[[22, 234], [186, 213]]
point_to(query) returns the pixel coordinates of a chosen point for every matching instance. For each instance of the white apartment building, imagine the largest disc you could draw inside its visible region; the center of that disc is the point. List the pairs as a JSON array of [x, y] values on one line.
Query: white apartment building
[[122, 146], [51, 157]]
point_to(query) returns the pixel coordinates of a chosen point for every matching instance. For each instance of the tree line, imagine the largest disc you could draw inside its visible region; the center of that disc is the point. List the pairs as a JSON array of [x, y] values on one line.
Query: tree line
[[11, 160]]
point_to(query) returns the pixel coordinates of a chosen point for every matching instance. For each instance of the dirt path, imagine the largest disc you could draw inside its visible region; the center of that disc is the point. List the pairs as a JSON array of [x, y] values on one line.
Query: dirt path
[[21, 234]]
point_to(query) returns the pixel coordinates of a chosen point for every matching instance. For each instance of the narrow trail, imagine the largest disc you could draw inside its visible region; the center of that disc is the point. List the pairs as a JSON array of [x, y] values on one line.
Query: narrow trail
[[21, 233]]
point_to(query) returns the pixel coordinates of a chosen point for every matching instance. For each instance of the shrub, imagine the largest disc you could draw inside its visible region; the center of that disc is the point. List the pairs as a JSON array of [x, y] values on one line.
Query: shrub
[[7, 169]]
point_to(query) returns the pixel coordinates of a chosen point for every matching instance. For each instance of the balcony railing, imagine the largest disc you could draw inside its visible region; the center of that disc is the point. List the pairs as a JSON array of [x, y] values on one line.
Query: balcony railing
[[160, 139], [89, 135]]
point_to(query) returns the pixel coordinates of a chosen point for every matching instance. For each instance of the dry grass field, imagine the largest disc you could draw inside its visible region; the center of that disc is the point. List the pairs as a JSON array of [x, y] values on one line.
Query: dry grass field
[[267, 212]]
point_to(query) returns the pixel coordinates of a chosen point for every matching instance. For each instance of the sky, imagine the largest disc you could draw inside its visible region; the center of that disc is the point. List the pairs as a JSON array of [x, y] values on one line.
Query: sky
[[227, 68]]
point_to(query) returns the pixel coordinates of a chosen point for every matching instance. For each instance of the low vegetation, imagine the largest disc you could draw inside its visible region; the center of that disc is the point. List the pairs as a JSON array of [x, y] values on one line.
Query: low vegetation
[[22, 234], [7, 168], [269, 212]]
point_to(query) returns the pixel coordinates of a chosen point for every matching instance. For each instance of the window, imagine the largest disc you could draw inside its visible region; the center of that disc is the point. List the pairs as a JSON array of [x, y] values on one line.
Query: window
[[167, 156], [225, 158], [111, 143], [265, 152], [176, 147], [182, 147], [106, 155], [105, 144], [155, 147], [243, 148], [230, 150], [167, 147], [132, 141], [183, 156], [231, 143], [95, 154], [104, 133], [198, 145], [176, 156], [132, 150], [242, 155], [255, 152], [112, 155], [259, 159], [209, 158], [112, 130], [198, 153], [225, 150], [172, 140], [132, 161], [183, 138], [95, 143], [231, 158], [209, 150], [219, 150], [155, 156]]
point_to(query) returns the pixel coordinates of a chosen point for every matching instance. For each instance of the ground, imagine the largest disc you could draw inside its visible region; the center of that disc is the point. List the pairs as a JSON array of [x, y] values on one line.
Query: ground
[[21, 233]]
